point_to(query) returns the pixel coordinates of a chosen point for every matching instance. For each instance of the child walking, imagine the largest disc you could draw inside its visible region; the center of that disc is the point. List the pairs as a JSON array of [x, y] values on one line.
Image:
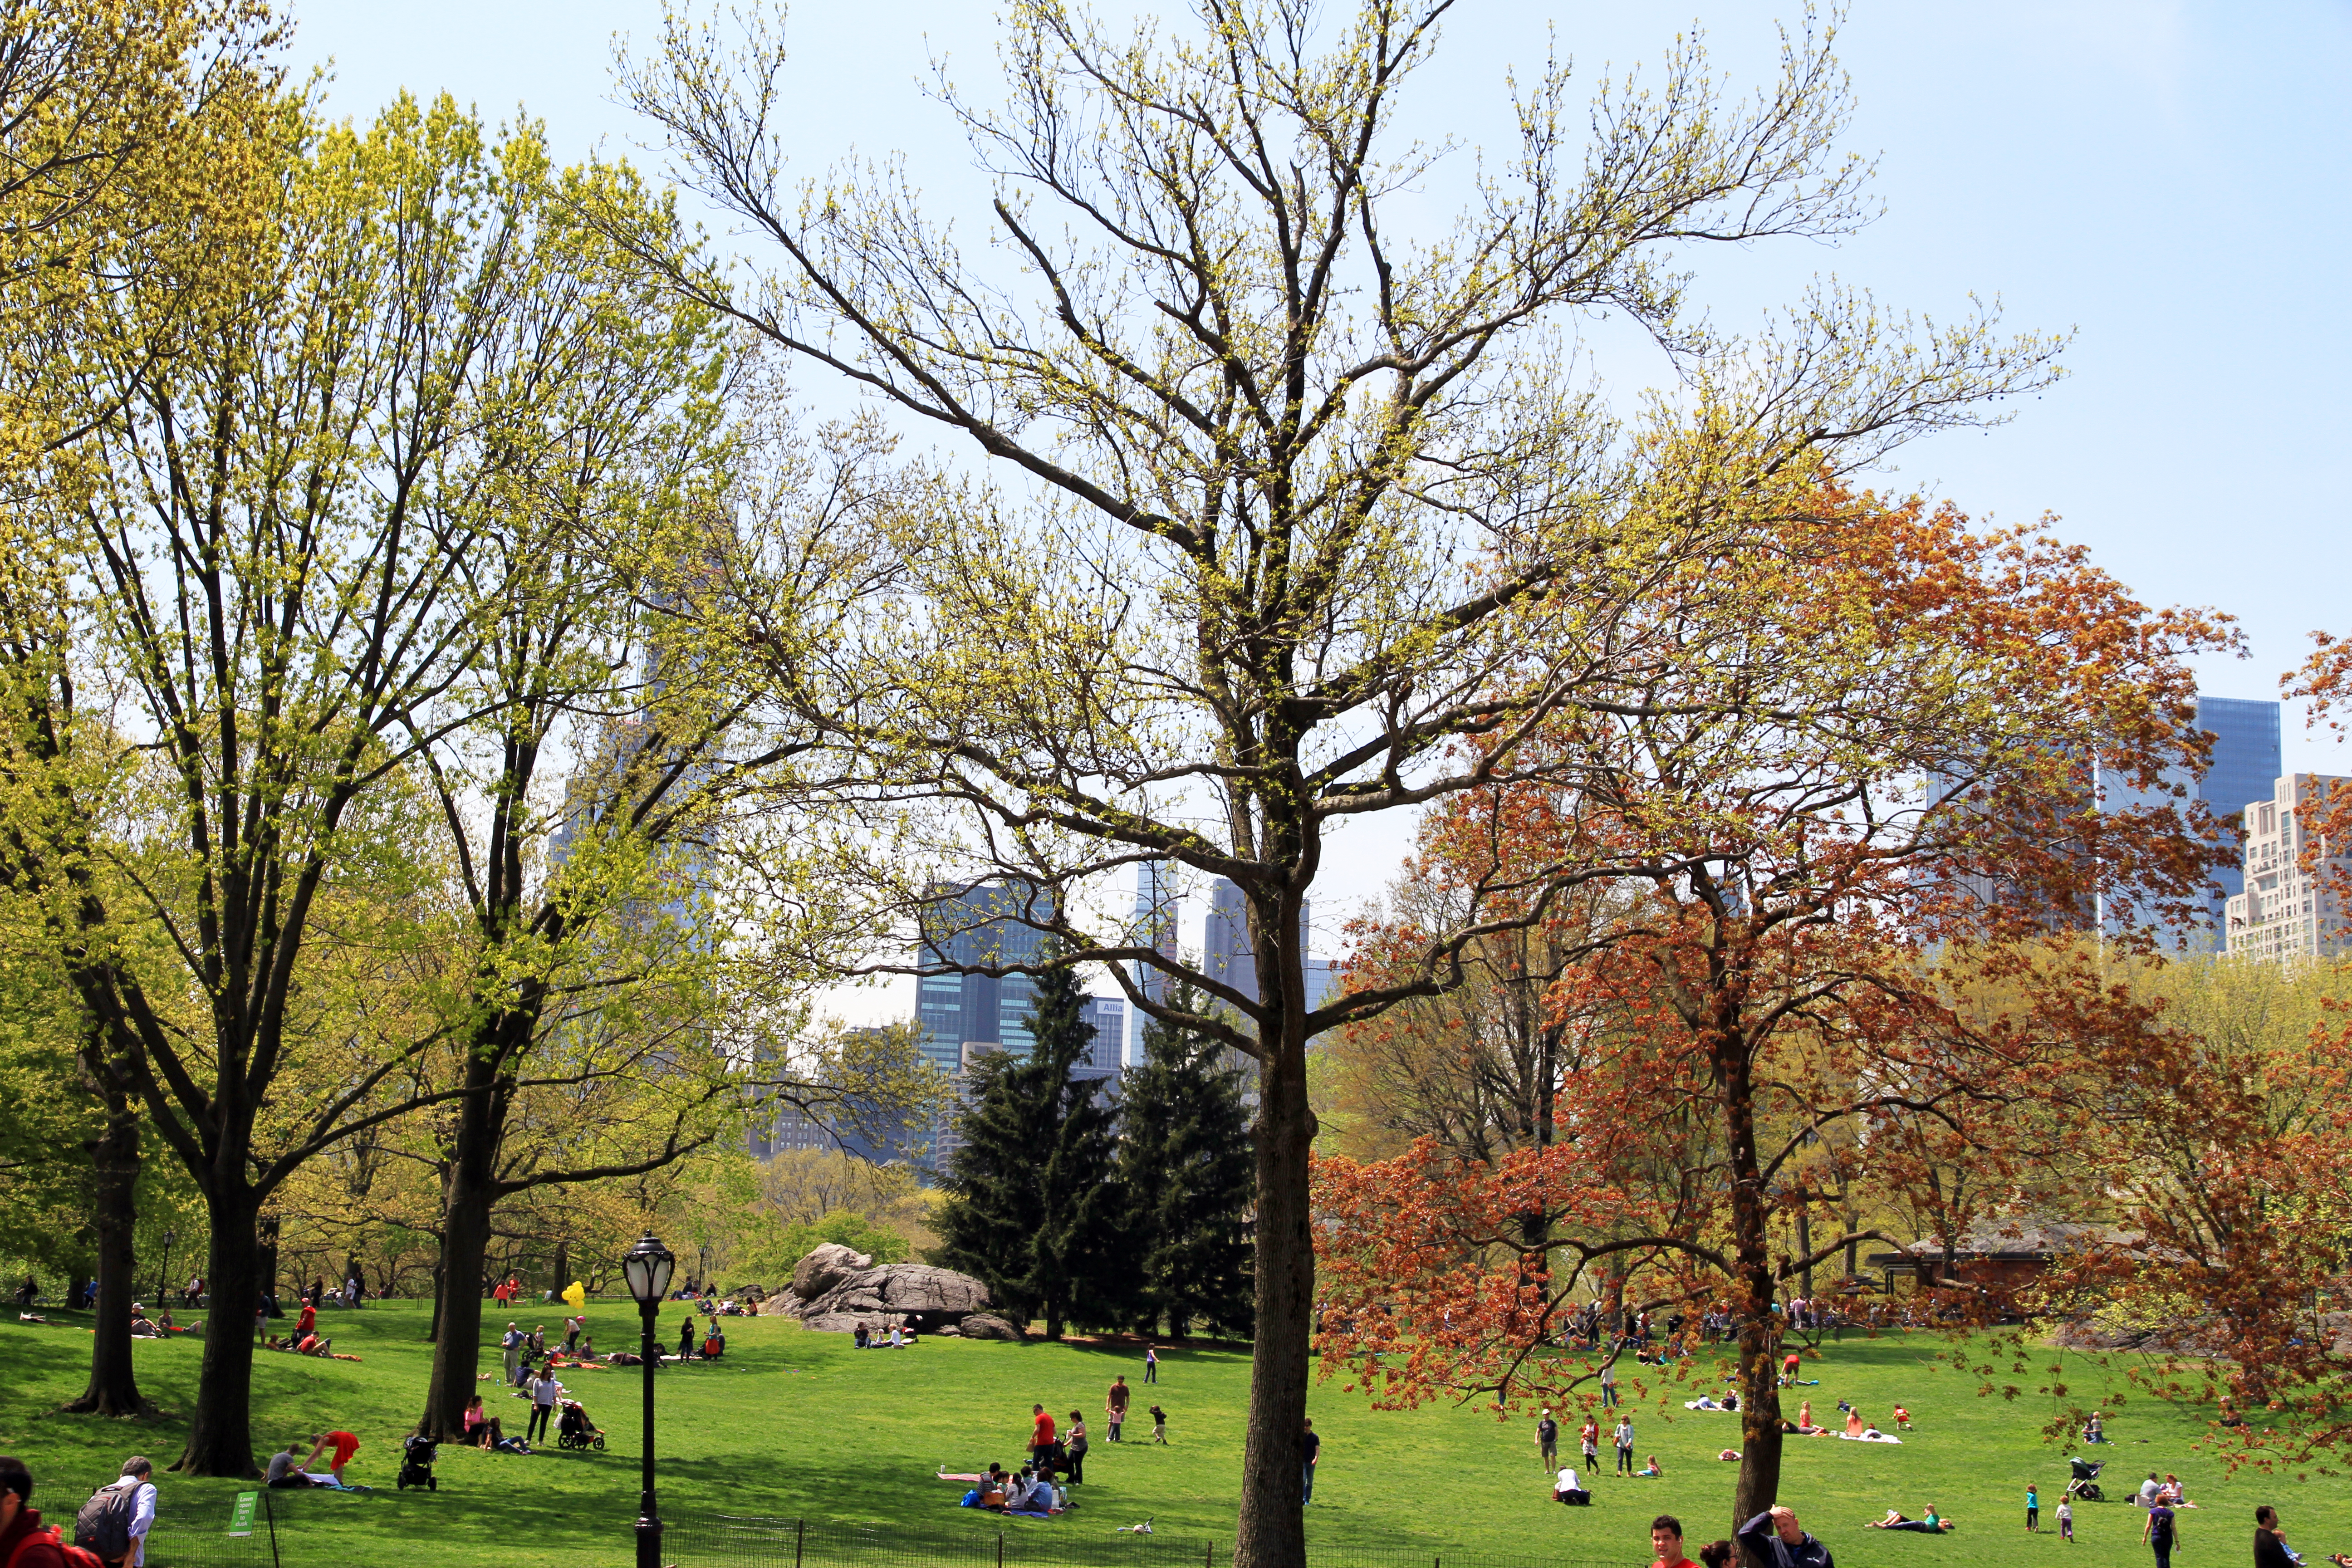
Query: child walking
[[2032, 1508], [1159, 1426], [2065, 1520]]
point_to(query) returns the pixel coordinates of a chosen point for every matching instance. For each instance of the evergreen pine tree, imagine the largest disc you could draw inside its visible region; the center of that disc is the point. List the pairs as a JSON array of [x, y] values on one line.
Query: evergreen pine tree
[[1032, 1209], [1191, 1177]]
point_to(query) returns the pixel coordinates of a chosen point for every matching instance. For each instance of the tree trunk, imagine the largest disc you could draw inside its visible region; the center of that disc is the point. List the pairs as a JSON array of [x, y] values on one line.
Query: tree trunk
[[1805, 1248], [1271, 1532], [563, 1267], [1759, 1391], [220, 1438], [471, 1192], [114, 1170]]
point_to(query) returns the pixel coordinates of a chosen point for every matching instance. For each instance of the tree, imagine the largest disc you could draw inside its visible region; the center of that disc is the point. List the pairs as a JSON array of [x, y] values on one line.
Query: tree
[[273, 576], [113, 118], [2227, 1263], [1292, 503], [641, 922], [1032, 1209], [1812, 946], [1185, 1164]]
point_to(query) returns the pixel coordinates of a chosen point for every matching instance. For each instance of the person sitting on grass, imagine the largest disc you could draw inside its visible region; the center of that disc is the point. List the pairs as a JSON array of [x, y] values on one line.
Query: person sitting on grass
[[1649, 1471], [1933, 1524], [1853, 1423], [482, 1428], [287, 1473]]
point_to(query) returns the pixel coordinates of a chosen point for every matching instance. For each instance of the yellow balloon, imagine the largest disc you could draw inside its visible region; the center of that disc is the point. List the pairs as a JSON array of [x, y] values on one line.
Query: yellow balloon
[[577, 1295]]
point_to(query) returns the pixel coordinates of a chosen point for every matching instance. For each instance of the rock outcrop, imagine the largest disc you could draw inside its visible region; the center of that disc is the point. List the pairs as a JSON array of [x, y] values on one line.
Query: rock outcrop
[[989, 1326], [826, 1267], [836, 1289]]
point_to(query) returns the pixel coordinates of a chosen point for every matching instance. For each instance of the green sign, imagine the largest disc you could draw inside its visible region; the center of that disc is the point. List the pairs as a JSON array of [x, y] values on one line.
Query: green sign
[[240, 1518]]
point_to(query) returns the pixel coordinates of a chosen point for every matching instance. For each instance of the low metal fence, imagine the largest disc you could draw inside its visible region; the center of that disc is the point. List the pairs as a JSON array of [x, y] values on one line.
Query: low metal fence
[[760, 1540]]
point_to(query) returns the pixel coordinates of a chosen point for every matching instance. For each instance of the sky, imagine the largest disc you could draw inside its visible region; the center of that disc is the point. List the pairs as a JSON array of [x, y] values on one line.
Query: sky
[[2169, 182]]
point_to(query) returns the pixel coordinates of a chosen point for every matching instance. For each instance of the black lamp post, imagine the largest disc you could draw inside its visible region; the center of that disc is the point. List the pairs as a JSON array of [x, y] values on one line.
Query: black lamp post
[[163, 1272], [647, 1268]]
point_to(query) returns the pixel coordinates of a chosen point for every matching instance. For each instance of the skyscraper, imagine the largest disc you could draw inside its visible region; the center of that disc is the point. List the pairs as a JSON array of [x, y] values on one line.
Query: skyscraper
[[2243, 766], [1157, 907], [965, 1016], [978, 925], [1226, 954]]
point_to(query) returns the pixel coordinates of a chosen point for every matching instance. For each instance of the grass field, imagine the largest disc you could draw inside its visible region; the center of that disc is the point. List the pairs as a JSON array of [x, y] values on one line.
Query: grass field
[[794, 1423]]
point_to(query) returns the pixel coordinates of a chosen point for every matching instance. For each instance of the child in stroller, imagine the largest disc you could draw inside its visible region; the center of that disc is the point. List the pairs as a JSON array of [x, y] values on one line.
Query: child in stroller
[[2085, 1484], [574, 1430], [416, 1457]]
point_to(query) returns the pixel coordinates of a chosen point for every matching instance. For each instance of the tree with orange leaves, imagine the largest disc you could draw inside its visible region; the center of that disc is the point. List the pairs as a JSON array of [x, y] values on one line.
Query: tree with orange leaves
[[2236, 1196], [1832, 959]]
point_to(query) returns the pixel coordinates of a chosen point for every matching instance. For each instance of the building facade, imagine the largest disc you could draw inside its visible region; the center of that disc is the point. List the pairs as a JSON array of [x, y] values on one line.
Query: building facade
[[1226, 955], [980, 925], [2244, 762], [2286, 909]]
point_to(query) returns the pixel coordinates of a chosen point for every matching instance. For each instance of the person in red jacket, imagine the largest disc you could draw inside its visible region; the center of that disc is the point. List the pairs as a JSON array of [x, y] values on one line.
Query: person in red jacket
[[25, 1540], [344, 1445]]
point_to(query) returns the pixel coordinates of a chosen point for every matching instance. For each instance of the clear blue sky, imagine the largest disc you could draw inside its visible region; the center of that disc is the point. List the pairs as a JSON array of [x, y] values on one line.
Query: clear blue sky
[[2170, 180]]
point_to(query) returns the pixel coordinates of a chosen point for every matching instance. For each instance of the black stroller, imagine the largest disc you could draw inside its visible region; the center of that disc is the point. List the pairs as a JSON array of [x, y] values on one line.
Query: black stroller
[[416, 1457], [574, 1430], [2085, 1484]]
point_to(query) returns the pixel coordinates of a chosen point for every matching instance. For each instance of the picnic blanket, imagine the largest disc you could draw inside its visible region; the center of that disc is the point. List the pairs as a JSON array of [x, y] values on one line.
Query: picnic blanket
[[1868, 1437], [1709, 1405]]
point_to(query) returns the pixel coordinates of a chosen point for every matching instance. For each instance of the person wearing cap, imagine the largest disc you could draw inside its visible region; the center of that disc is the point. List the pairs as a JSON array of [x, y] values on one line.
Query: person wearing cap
[[25, 1540], [1547, 1439]]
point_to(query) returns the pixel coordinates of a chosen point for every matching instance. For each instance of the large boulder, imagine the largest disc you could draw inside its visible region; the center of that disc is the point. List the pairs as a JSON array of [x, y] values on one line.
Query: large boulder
[[826, 1268], [989, 1326], [914, 1294]]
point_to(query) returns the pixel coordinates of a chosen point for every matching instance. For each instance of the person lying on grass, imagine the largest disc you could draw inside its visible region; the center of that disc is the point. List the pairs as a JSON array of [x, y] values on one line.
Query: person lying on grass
[[1933, 1524]]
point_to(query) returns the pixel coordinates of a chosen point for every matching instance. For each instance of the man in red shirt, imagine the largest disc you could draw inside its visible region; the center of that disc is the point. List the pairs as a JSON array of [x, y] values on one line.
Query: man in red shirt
[[307, 1321], [25, 1540], [1666, 1543], [1041, 1437]]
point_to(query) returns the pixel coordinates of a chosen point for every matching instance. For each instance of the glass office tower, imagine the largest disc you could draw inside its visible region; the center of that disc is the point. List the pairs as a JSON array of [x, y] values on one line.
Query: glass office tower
[[2244, 766], [978, 925]]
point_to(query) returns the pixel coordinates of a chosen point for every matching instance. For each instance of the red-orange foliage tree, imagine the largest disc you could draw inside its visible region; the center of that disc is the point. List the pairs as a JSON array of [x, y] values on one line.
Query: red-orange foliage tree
[[2236, 1196], [1841, 877]]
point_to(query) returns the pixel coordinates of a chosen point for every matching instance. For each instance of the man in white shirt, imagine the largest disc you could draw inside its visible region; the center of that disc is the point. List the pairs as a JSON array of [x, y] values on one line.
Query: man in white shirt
[[138, 1476], [512, 1345], [1565, 1484]]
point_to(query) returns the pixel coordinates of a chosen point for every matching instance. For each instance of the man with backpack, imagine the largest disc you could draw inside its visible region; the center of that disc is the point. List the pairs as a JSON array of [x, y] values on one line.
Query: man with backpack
[[113, 1524]]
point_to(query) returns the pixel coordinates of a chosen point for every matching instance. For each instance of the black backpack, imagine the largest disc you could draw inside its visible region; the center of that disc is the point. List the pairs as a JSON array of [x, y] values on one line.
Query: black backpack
[[104, 1522]]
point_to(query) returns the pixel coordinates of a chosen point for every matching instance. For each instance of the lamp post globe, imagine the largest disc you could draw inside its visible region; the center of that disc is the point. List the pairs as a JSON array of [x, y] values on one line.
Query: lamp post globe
[[647, 1268]]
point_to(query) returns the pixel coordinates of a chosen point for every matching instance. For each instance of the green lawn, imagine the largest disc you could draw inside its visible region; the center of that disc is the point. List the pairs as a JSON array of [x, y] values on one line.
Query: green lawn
[[802, 1424]]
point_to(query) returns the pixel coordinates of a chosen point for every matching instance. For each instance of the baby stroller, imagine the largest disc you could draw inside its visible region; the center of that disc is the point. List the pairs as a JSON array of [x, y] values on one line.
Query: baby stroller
[[2085, 1484], [574, 1429], [416, 1457]]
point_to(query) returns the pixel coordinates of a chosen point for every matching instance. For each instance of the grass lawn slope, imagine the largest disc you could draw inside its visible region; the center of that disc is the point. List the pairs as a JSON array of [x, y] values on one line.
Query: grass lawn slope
[[795, 1423]]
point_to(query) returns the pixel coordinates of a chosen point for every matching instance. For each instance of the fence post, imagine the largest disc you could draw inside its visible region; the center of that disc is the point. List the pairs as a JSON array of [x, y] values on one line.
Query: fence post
[[271, 1515], [1000, 1548], [799, 1539]]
